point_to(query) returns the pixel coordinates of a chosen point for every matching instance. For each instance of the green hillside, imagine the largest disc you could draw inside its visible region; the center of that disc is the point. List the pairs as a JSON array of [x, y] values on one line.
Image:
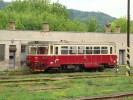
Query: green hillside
[[4, 4], [102, 18]]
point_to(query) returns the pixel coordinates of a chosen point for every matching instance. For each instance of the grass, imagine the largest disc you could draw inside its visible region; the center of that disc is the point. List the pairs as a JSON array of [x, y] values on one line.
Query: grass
[[66, 88]]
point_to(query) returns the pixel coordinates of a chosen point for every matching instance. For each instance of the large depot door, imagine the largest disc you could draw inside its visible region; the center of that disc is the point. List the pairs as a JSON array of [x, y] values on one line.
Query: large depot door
[[121, 57], [12, 51], [12, 59]]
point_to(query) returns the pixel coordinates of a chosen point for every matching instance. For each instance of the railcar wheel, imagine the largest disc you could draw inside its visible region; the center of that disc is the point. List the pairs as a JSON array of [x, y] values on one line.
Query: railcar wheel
[[62, 69], [101, 68], [81, 68]]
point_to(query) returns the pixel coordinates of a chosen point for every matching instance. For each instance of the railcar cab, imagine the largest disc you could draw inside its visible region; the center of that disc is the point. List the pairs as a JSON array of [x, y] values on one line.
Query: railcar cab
[[36, 52], [34, 48]]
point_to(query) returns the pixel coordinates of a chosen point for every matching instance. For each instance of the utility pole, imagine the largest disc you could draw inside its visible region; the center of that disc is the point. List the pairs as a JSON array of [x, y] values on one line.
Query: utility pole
[[128, 39]]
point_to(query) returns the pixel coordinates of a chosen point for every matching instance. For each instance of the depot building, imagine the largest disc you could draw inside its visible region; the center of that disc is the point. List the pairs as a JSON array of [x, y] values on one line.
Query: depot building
[[13, 43]]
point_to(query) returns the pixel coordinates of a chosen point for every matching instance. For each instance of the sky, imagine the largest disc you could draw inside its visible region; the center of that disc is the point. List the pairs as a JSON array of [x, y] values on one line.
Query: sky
[[114, 8]]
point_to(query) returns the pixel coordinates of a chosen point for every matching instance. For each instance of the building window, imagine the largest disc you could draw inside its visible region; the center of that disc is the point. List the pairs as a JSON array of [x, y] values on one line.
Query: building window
[[23, 48], [2, 52], [23, 54]]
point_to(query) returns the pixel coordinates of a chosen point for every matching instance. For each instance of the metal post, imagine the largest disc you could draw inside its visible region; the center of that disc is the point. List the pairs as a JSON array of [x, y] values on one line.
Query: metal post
[[128, 39]]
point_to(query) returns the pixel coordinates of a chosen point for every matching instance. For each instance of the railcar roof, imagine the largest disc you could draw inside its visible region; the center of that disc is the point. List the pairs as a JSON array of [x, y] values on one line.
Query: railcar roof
[[69, 43]]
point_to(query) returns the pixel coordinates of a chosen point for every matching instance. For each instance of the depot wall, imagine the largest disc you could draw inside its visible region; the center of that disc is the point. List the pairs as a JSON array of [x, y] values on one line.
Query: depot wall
[[19, 39]]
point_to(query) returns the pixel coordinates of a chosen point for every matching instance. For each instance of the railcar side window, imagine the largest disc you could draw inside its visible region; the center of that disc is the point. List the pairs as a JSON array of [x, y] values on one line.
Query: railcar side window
[[42, 50], [104, 50], [73, 50], [64, 50], [88, 50], [33, 50], [81, 50], [51, 49], [56, 50], [111, 50], [96, 50]]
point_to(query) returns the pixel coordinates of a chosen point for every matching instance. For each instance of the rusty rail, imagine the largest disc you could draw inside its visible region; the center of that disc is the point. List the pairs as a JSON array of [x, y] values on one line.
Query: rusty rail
[[116, 96]]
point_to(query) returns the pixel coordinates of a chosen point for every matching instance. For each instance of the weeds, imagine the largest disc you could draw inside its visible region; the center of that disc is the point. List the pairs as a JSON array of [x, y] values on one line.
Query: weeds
[[63, 86]]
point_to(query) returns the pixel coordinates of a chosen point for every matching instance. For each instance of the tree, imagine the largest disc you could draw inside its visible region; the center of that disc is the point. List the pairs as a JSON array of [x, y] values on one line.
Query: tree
[[91, 24], [122, 22], [60, 10], [30, 14]]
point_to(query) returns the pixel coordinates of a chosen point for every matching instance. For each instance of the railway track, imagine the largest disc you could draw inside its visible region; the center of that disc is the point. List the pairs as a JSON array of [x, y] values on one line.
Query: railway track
[[57, 75], [116, 96], [44, 81], [18, 79], [36, 83]]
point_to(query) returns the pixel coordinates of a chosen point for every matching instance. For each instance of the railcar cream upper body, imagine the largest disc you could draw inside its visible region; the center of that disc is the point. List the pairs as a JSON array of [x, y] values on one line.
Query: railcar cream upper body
[[71, 48]]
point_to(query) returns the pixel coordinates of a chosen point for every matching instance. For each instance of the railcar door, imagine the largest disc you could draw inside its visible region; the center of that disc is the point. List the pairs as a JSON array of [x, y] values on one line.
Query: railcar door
[[12, 59], [56, 57], [96, 58]]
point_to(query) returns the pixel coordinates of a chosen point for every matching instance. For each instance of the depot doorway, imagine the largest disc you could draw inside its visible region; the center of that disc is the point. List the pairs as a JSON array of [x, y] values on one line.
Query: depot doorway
[[121, 57], [12, 51]]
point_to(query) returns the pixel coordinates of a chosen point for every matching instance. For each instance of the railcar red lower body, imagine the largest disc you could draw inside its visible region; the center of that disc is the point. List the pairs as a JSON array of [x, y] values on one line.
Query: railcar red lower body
[[44, 62]]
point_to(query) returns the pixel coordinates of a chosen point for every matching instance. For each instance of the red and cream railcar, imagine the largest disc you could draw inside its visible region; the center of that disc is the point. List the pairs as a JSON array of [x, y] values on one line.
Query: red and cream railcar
[[65, 55]]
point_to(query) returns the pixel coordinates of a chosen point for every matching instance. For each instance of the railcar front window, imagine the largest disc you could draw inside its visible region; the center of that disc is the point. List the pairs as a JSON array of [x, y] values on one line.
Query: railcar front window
[[33, 50], [42, 50]]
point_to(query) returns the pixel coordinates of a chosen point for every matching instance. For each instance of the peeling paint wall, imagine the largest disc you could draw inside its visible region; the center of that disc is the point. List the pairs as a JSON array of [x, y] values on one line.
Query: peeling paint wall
[[7, 63]]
